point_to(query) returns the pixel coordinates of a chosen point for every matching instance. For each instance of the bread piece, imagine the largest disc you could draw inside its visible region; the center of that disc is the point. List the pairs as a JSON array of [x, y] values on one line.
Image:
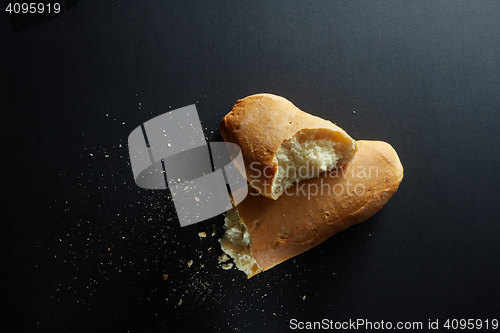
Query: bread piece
[[281, 144], [261, 233]]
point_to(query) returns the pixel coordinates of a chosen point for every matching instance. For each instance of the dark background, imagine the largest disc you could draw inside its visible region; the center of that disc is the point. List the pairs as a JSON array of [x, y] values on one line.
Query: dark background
[[84, 249]]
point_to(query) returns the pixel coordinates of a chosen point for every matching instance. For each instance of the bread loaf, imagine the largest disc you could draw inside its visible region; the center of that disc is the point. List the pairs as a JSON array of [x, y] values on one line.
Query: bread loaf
[[261, 233], [282, 144]]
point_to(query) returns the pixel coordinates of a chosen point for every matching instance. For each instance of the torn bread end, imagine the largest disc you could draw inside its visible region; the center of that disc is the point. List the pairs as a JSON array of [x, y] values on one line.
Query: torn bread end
[[263, 124], [307, 154], [236, 242]]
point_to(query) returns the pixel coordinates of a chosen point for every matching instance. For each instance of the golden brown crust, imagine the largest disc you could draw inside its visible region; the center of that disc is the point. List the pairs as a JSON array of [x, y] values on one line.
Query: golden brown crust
[[258, 124], [300, 219]]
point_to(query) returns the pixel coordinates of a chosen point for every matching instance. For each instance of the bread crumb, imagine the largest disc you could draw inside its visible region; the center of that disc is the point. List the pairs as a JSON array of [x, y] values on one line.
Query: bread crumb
[[165, 276], [180, 302], [189, 263], [227, 266], [304, 297], [202, 234], [223, 258]]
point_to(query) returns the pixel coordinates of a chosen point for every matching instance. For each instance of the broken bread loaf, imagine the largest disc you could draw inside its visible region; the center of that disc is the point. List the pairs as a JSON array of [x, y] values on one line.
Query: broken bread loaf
[[261, 233], [281, 144]]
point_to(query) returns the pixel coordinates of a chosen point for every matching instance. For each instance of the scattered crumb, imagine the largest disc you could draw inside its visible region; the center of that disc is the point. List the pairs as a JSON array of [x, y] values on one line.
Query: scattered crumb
[[202, 234], [180, 302], [223, 258], [165, 276], [229, 265], [190, 262], [304, 297]]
